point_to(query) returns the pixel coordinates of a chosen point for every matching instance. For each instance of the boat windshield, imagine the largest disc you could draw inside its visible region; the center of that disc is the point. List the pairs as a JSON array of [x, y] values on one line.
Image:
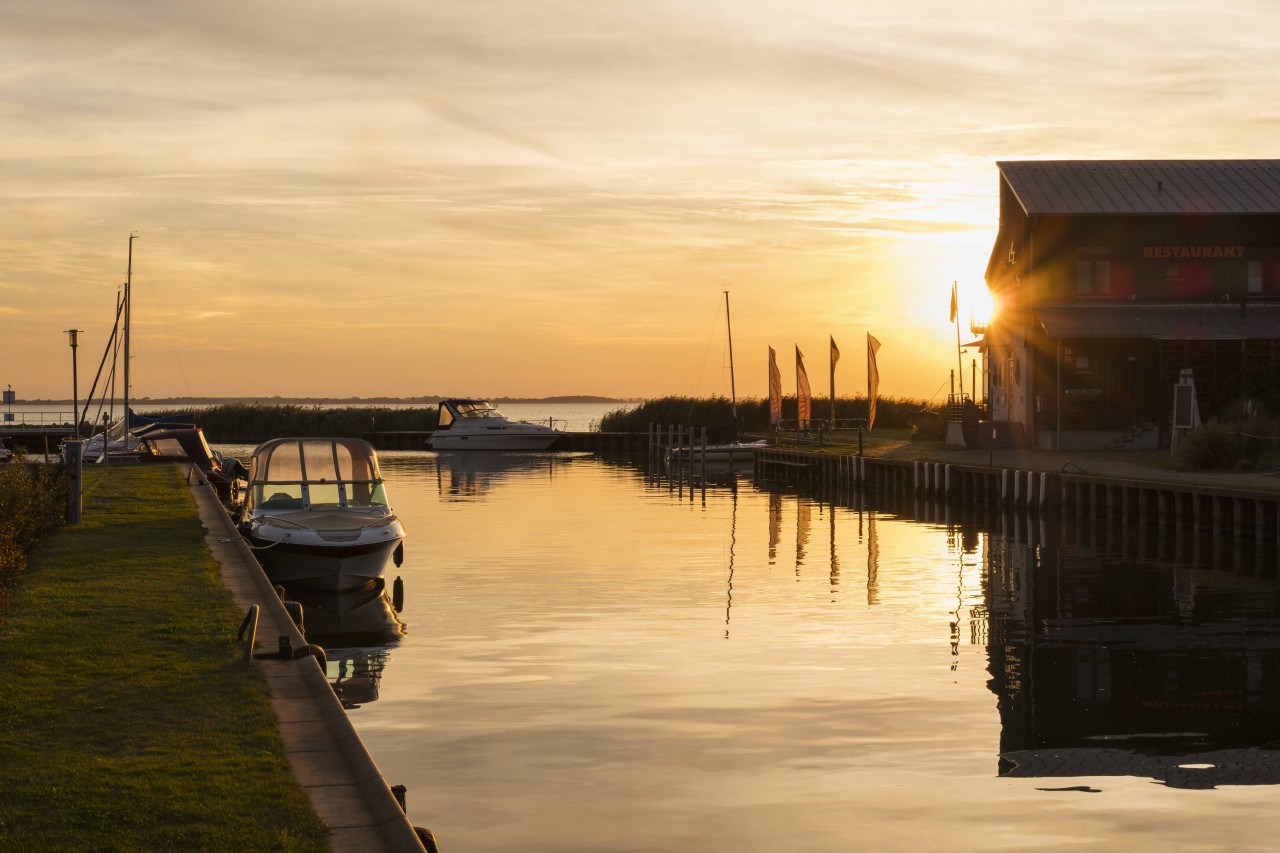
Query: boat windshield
[[316, 474], [477, 409]]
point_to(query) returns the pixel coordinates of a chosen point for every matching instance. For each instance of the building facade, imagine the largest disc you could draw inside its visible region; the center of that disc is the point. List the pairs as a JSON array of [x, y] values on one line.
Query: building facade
[[1113, 277]]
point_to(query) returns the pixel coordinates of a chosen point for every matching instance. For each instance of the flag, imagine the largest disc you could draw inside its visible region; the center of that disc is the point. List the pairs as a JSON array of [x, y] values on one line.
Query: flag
[[873, 380], [955, 306], [804, 398], [835, 356], [775, 390]]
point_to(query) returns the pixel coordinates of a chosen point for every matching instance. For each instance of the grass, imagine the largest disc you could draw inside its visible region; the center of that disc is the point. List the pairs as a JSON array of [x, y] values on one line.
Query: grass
[[127, 721]]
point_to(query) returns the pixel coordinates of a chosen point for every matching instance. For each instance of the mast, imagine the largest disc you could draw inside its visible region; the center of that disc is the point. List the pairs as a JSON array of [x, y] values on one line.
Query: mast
[[733, 394], [128, 304]]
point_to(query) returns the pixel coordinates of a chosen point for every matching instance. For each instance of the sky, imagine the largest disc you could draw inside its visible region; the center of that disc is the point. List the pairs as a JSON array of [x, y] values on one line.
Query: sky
[[502, 198]]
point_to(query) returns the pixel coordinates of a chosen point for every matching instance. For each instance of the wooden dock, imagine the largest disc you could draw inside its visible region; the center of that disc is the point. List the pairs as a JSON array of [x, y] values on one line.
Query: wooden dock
[[1237, 513]]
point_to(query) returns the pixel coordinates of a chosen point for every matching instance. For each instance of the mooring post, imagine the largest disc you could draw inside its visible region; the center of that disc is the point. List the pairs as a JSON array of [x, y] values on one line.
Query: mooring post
[[73, 451]]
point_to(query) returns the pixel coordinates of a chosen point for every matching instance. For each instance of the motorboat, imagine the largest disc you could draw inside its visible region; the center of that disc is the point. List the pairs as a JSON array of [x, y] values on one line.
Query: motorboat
[[478, 425], [727, 453], [6, 454], [316, 513]]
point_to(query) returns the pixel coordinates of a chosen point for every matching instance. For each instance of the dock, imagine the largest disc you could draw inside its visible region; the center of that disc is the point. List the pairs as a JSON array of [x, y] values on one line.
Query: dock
[[1239, 513]]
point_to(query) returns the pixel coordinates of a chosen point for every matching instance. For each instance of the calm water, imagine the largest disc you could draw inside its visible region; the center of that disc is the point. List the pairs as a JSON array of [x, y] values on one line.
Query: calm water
[[594, 661]]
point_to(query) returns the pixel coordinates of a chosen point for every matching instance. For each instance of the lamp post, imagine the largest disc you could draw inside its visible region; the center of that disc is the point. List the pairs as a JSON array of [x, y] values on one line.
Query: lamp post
[[74, 336]]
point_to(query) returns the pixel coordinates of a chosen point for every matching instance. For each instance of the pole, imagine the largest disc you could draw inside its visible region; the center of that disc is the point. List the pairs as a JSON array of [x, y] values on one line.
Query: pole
[[733, 393], [128, 310], [73, 336], [959, 357]]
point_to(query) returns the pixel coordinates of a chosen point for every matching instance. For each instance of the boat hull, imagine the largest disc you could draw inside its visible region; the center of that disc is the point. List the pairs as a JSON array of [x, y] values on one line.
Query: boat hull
[[333, 568]]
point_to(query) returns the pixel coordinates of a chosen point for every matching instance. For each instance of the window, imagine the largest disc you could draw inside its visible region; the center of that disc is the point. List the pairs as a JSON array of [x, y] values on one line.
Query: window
[[1255, 276], [1093, 272]]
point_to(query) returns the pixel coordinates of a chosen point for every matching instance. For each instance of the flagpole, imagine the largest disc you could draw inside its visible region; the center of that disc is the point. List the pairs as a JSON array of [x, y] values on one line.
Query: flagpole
[[959, 357]]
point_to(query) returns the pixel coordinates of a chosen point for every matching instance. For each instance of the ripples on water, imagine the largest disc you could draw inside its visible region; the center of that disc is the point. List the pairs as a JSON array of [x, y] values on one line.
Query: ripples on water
[[593, 660]]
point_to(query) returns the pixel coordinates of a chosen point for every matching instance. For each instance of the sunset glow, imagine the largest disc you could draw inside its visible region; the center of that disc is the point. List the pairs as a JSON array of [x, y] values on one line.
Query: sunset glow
[[532, 200]]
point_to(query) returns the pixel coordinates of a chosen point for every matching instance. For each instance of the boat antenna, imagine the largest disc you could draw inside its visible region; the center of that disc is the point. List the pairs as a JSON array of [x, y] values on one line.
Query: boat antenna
[[733, 394]]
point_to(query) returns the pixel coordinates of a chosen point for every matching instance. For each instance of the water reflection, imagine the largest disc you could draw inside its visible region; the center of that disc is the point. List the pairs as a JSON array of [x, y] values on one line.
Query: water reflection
[[717, 669], [1105, 665], [469, 475], [357, 629]]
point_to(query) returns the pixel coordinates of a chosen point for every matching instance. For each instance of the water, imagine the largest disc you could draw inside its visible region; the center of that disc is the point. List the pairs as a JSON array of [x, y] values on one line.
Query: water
[[593, 660]]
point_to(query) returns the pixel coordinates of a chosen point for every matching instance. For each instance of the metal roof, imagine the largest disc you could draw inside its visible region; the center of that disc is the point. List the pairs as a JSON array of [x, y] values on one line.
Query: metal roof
[[1144, 187], [1161, 321]]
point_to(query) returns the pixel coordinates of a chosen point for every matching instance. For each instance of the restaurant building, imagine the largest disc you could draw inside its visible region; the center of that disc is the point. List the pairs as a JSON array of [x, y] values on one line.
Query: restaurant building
[[1113, 277]]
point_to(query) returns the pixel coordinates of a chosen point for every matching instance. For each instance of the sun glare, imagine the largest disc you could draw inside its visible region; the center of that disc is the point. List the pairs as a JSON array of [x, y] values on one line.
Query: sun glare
[[982, 308]]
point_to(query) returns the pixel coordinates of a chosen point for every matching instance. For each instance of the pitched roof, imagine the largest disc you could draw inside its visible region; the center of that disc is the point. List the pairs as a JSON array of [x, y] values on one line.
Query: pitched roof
[[1144, 187]]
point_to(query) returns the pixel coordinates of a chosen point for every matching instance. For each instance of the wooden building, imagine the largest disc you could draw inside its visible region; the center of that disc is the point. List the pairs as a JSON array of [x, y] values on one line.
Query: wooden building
[[1111, 277]]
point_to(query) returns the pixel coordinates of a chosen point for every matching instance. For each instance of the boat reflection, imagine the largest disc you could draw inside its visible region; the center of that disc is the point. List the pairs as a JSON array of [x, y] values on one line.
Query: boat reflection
[[1105, 665], [465, 476], [356, 674], [357, 629]]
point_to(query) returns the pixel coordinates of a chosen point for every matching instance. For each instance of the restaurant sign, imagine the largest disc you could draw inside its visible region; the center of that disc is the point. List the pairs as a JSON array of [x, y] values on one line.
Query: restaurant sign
[[1179, 252]]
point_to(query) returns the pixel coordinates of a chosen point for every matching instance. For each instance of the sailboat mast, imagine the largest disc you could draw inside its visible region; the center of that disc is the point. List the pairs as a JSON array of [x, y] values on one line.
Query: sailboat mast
[[733, 393], [128, 304]]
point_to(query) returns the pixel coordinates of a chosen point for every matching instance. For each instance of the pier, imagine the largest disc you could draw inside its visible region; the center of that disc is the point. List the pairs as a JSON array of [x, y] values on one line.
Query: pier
[[1235, 512]]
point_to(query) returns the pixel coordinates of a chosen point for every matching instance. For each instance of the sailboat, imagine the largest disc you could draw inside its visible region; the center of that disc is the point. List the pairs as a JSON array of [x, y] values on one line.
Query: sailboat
[[728, 452]]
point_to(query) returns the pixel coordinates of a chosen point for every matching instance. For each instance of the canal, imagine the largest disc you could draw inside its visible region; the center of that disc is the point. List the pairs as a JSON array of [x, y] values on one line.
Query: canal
[[593, 659]]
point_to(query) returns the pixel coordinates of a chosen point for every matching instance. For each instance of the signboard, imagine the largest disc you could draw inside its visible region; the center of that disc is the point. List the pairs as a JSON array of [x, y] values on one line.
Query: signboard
[[10, 397]]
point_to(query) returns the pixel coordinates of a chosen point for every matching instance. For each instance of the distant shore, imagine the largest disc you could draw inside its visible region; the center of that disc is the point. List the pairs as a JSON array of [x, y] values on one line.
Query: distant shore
[[325, 401]]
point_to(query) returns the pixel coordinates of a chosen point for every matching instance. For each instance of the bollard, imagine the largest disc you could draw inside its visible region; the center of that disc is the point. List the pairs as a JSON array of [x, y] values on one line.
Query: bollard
[[73, 452]]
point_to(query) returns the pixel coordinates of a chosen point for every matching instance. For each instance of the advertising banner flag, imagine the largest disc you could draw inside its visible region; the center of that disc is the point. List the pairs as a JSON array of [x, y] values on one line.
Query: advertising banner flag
[[804, 398], [873, 380], [775, 390]]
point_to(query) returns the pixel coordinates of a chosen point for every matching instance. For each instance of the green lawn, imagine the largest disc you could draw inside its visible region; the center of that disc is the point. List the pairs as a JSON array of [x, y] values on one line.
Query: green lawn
[[127, 721]]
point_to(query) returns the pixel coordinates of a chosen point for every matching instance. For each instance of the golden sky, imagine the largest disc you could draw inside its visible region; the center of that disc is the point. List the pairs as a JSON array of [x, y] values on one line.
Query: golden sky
[[492, 197]]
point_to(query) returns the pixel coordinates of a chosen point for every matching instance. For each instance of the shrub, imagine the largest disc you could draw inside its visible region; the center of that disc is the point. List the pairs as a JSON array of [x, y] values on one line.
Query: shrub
[[1214, 445], [33, 501]]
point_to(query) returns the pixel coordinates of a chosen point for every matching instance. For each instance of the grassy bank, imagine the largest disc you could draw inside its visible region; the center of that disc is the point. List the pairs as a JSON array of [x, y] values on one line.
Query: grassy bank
[[127, 721]]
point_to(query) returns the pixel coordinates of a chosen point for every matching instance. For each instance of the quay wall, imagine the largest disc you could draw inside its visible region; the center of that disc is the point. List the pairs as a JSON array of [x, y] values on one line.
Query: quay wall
[[1240, 513]]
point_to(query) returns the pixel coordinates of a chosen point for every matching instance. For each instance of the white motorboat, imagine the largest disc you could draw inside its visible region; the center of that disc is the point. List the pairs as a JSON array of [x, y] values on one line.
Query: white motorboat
[[729, 452], [478, 425], [317, 515], [5, 453]]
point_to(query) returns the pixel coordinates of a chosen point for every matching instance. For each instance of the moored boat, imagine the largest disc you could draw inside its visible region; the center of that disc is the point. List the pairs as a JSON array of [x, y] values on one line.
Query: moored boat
[[478, 425], [316, 513]]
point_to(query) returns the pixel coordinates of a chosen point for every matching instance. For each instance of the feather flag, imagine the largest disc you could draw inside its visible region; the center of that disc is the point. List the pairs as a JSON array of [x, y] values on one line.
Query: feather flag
[[955, 304], [873, 380], [804, 398], [835, 356], [775, 390]]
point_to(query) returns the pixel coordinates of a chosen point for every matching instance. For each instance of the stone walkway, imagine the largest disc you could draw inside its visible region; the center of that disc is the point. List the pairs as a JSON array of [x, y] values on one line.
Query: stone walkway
[[326, 755]]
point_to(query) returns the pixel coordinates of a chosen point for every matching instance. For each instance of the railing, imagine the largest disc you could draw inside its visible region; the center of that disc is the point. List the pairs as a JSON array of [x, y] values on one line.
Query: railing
[[35, 420]]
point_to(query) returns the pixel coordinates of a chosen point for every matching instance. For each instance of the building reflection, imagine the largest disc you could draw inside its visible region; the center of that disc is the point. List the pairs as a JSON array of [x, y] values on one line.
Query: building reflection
[[1109, 665]]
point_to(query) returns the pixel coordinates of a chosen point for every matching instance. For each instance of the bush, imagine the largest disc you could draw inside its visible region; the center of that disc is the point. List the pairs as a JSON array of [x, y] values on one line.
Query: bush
[[33, 501], [1214, 445]]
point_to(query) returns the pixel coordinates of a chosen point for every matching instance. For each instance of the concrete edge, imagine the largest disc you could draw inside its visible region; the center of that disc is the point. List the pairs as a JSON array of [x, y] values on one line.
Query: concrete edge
[[332, 748]]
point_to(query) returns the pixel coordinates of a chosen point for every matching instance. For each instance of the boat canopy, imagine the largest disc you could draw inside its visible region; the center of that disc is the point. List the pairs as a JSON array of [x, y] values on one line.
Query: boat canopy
[[451, 410], [315, 460]]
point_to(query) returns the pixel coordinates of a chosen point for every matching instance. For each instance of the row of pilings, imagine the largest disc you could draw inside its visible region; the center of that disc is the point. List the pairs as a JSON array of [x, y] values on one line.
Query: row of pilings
[[1237, 513]]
